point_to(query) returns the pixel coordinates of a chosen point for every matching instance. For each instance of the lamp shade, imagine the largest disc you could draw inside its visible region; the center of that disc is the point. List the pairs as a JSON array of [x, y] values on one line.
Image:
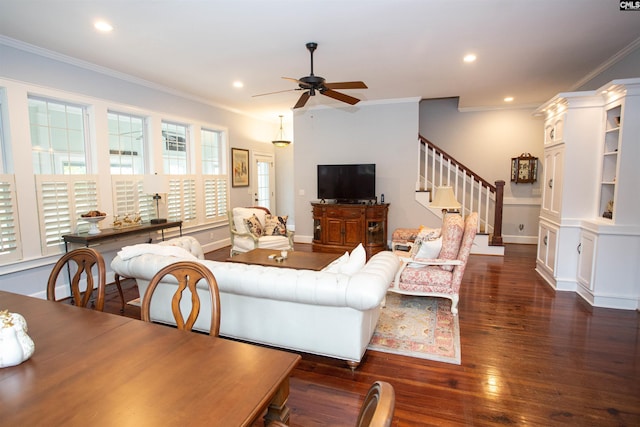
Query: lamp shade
[[155, 184], [445, 199]]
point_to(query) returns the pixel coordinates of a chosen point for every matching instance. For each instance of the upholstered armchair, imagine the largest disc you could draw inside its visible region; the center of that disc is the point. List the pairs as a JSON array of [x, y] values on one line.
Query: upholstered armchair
[[440, 276], [255, 227]]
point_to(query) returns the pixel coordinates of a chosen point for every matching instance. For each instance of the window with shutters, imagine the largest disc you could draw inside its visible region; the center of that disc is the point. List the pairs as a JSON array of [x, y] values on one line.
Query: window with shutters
[[61, 201], [10, 248], [214, 178], [64, 190]]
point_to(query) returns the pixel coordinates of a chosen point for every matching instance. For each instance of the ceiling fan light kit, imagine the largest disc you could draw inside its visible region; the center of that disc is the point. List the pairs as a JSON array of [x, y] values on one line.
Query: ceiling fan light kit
[[311, 84]]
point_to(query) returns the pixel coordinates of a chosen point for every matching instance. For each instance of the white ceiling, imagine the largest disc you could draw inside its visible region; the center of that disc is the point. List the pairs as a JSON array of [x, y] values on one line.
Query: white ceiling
[[400, 48]]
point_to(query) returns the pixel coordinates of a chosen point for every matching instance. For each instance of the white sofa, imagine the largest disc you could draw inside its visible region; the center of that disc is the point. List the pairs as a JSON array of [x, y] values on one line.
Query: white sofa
[[324, 313]]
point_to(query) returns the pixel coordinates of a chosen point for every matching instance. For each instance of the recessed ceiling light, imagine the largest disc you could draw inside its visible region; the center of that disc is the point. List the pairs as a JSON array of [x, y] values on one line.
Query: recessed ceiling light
[[238, 84], [508, 99], [103, 26], [469, 58]]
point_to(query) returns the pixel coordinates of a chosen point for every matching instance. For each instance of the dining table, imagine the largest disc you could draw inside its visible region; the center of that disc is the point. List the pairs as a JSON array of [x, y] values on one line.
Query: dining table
[[101, 369]]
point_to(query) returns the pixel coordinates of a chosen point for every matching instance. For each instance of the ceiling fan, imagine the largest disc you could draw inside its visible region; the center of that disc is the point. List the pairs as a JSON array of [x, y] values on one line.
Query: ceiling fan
[[312, 84]]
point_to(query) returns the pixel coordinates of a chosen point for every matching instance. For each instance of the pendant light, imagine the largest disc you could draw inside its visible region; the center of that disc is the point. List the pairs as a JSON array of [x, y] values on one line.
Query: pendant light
[[281, 142]]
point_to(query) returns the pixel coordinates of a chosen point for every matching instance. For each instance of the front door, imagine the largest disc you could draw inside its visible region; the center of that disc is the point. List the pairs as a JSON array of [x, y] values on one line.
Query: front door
[[263, 182]]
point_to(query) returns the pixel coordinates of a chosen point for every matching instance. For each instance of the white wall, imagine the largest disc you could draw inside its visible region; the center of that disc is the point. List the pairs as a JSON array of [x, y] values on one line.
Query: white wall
[[384, 134], [485, 142]]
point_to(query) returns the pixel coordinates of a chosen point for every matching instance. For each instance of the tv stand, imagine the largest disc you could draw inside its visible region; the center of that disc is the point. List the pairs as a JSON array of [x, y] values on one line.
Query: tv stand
[[339, 227]]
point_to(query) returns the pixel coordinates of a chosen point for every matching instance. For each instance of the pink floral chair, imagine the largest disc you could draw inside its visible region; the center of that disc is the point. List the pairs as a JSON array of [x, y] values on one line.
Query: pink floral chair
[[440, 277]]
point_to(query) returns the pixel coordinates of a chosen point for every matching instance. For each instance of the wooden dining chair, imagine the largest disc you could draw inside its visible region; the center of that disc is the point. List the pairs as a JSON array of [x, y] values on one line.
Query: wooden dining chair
[[80, 262], [376, 410], [188, 274]]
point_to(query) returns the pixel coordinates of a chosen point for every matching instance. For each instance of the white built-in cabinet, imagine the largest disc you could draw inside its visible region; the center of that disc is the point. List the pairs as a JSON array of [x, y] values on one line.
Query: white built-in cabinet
[[591, 166]]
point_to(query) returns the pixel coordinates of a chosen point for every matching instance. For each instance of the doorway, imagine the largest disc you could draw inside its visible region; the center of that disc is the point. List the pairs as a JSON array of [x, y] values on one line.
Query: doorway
[[263, 182]]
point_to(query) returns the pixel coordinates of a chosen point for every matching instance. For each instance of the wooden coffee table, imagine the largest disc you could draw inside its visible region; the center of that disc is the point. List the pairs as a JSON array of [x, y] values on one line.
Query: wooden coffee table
[[297, 260]]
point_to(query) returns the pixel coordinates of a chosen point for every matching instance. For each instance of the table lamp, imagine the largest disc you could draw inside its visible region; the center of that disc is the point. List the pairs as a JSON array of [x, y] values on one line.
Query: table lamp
[[445, 200], [156, 184]]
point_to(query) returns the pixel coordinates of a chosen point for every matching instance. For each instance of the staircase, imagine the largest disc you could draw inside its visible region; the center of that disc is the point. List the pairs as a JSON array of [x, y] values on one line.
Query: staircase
[[436, 168]]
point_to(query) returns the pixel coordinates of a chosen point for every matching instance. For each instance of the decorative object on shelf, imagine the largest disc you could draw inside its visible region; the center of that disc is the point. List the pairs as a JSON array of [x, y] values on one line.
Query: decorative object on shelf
[[128, 220], [93, 222], [608, 213], [445, 200], [281, 142], [156, 184], [15, 345], [240, 167], [524, 169]]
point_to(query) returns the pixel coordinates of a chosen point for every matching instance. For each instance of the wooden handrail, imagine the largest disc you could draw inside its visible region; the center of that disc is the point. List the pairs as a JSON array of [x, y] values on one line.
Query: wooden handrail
[[465, 169], [497, 189]]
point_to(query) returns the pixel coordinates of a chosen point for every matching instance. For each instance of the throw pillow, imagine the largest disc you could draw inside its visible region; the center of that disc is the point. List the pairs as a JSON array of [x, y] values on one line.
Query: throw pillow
[[425, 234], [452, 230], [253, 225], [336, 265], [428, 249], [357, 260], [275, 225]]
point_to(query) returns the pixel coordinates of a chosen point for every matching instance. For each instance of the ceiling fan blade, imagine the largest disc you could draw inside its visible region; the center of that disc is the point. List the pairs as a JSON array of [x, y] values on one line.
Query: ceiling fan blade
[[302, 100], [278, 91], [293, 80], [346, 85], [340, 96]]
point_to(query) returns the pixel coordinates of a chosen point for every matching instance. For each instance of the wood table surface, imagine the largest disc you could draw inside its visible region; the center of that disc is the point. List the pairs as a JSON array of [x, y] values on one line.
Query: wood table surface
[[94, 368], [295, 259]]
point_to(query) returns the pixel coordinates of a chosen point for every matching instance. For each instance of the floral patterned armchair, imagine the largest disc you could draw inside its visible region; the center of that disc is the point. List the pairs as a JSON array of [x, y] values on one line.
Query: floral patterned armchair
[[440, 277], [255, 227]]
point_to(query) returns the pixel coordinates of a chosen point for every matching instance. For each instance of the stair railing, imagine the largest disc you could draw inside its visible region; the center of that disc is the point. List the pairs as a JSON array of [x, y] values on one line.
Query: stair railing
[[436, 168]]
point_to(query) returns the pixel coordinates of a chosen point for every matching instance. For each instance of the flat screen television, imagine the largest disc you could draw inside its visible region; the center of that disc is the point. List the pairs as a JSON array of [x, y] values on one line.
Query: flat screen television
[[347, 183]]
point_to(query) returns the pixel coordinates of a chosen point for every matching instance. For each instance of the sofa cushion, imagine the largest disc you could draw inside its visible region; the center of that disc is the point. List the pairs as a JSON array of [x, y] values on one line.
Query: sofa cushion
[[254, 226], [357, 260], [452, 230], [275, 225], [337, 264]]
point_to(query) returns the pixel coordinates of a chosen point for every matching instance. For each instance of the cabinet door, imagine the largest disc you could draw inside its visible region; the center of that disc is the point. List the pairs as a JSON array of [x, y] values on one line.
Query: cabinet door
[[547, 243], [353, 231], [552, 187], [586, 251], [334, 233]]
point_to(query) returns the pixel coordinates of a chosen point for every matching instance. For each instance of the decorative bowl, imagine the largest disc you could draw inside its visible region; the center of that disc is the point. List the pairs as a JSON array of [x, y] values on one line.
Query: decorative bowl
[[93, 223]]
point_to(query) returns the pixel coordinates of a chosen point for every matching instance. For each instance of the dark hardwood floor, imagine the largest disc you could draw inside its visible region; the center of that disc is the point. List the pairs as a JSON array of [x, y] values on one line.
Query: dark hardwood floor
[[530, 357]]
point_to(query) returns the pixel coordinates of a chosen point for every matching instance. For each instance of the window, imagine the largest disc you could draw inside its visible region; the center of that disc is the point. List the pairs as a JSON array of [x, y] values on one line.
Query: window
[[214, 175], [174, 148], [64, 190], [57, 137], [126, 144]]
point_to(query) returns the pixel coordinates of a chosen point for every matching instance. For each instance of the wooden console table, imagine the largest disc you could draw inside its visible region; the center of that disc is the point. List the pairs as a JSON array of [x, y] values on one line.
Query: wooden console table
[[114, 233], [341, 227], [87, 239]]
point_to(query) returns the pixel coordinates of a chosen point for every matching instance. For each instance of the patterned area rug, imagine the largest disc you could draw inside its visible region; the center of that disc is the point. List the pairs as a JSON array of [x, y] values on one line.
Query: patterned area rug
[[420, 327]]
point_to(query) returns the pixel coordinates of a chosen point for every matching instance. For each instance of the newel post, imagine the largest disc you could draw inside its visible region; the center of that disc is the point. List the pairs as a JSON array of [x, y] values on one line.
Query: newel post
[[497, 219]]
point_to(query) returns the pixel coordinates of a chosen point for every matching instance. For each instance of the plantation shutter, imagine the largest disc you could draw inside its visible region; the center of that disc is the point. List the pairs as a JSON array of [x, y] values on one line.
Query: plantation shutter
[[10, 249], [61, 201], [215, 197], [182, 199], [130, 198]]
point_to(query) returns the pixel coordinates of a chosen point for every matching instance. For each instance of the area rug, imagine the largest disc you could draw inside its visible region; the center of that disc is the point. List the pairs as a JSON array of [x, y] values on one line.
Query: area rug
[[421, 327]]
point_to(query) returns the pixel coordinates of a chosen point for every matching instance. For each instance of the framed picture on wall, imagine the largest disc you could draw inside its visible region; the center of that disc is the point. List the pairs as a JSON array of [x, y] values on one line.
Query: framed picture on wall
[[240, 167]]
